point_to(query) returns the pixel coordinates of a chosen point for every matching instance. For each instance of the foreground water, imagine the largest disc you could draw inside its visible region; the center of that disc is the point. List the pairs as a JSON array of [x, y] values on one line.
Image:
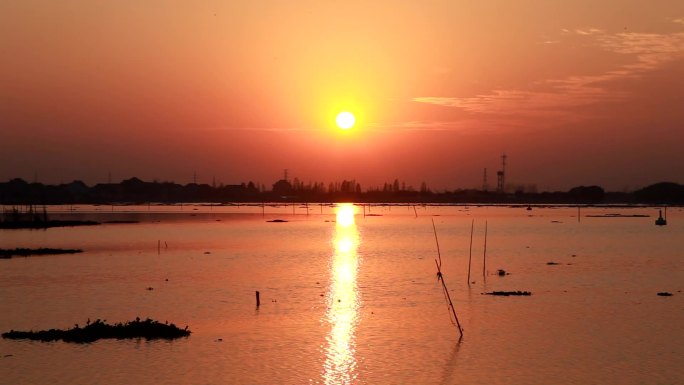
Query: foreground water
[[352, 299]]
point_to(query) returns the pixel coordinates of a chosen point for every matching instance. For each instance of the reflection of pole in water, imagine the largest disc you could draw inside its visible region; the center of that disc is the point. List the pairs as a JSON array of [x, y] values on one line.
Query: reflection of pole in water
[[450, 365], [342, 314]]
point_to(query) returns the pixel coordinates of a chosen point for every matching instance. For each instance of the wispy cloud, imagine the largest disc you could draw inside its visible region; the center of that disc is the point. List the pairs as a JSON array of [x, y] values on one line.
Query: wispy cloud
[[423, 125], [588, 31], [561, 97]]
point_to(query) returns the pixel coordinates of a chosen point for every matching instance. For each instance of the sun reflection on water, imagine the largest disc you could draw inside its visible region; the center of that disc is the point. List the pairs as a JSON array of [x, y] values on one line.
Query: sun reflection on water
[[343, 301]]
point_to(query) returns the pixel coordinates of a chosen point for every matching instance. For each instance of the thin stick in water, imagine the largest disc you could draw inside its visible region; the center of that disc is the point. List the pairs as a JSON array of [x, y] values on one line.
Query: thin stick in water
[[578, 213], [440, 276], [470, 256], [439, 255], [484, 256]]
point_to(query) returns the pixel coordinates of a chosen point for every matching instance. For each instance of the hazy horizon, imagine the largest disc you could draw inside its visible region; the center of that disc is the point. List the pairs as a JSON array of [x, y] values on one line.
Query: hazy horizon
[[575, 93]]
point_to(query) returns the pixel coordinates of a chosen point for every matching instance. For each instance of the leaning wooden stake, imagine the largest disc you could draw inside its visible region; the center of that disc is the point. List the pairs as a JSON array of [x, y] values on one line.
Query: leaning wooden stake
[[470, 256], [440, 276], [439, 255]]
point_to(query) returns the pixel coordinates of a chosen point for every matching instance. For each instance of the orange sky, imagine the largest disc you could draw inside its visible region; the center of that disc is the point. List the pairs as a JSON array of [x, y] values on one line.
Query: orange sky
[[575, 92]]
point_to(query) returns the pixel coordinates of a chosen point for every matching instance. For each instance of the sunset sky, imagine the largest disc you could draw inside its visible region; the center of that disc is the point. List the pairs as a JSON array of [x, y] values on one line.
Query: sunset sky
[[574, 92]]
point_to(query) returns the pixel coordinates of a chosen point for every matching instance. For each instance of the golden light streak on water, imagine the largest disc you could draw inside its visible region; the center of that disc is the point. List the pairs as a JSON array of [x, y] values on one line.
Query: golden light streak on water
[[343, 301]]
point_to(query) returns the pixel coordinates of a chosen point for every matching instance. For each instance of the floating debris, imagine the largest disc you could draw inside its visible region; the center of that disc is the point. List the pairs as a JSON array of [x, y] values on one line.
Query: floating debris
[[502, 272], [22, 252], [665, 294], [277, 221], [508, 293], [148, 329], [552, 263]]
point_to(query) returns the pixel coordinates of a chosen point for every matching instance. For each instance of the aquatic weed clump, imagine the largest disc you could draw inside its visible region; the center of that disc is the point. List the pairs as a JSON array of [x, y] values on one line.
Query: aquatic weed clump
[[93, 331], [24, 252], [509, 293]]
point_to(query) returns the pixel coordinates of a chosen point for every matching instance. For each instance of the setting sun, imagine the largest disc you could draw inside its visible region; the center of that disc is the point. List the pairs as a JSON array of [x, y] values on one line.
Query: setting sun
[[345, 120]]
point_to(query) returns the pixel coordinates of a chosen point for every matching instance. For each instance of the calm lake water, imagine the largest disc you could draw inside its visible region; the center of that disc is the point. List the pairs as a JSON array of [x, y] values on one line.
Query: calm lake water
[[352, 299]]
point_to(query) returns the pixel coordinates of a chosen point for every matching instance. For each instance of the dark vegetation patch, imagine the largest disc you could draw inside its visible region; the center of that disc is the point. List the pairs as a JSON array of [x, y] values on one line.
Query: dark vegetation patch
[[44, 224], [22, 252], [148, 329], [508, 293]]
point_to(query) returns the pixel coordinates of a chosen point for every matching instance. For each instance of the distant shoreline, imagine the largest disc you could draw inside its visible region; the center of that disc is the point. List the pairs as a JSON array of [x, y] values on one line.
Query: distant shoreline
[[136, 191]]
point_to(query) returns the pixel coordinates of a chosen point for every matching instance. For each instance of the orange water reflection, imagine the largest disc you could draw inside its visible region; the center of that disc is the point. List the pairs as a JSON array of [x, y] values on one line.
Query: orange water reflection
[[343, 301]]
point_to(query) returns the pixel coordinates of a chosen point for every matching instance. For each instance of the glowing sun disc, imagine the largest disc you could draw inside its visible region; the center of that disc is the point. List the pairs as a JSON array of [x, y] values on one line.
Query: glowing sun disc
[[345, 120]]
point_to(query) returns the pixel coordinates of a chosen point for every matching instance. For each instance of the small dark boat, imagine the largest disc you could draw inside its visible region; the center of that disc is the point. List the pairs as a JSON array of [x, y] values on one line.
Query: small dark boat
[[660, 221]]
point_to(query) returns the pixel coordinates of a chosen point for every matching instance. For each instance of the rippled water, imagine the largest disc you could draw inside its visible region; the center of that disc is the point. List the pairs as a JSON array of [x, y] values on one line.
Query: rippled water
[[352, 299]]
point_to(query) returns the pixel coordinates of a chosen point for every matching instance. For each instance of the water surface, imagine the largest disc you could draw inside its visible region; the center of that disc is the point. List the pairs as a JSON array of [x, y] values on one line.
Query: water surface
[[352, 299]]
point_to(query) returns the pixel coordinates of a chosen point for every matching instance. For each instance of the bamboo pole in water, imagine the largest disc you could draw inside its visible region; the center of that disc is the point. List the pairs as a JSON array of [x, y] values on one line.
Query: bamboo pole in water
[[470, 256], [484, 256], [440, 276], [439, 255]]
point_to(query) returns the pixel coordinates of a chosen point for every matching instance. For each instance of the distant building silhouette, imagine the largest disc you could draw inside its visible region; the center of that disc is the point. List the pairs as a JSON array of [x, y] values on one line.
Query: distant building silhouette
[[282, 188]]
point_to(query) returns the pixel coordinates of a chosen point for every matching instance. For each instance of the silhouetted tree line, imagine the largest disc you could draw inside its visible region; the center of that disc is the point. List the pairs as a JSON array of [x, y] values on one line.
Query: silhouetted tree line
[[134, 190]]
